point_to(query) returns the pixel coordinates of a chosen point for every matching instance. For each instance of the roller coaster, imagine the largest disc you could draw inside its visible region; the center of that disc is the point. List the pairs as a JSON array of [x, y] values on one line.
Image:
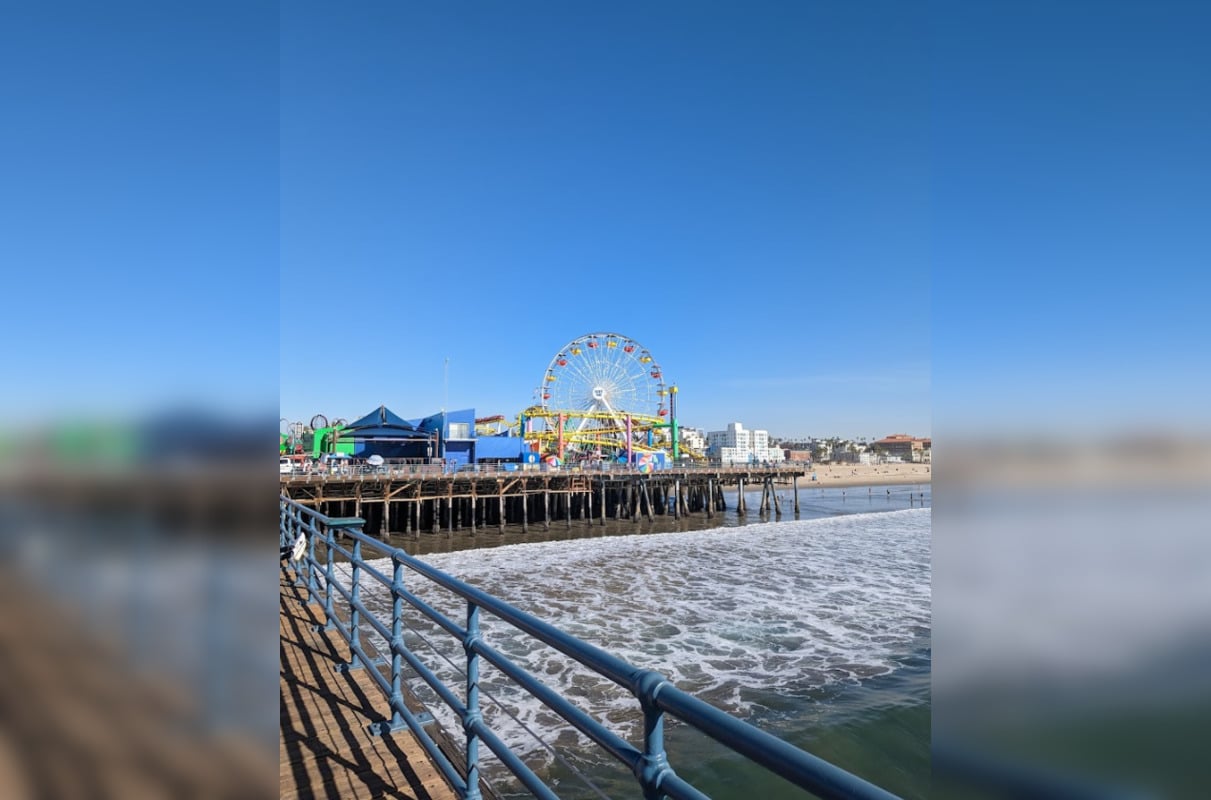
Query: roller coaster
[[603, 396]]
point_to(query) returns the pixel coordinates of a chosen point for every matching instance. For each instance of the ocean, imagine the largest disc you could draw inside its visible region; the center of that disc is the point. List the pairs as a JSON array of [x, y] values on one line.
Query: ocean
[[816, 630]]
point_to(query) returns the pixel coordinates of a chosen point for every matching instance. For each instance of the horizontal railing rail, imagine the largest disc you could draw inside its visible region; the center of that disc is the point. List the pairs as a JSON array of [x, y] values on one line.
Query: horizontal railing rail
[[301, 529], [388, 470]]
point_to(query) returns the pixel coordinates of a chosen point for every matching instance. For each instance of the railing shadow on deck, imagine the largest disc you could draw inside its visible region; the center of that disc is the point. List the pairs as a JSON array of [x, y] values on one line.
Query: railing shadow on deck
[[315, 709], [301, 529]]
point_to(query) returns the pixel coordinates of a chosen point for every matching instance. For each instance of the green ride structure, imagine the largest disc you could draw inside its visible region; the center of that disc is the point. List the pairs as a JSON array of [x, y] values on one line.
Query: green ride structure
[[315, 442]]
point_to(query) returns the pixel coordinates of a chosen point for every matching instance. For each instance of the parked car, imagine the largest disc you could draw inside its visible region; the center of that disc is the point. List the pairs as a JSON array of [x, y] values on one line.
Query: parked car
[[285, 466]]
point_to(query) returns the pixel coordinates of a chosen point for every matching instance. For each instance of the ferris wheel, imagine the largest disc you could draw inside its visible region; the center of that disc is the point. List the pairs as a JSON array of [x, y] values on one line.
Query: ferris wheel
[[603, 378]]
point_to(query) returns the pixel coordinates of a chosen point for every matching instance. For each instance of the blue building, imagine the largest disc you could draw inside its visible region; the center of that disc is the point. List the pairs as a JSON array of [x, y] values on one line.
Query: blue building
[[384, 433], [460, 444], [447, 435]]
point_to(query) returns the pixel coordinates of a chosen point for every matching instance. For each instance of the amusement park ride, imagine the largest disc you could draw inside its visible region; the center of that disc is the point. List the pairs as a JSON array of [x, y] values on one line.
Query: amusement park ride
[[299, 441], [603, 397]]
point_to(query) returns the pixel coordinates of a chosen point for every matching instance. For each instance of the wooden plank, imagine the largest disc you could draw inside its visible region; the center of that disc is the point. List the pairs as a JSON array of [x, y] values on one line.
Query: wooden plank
[[325, 749]]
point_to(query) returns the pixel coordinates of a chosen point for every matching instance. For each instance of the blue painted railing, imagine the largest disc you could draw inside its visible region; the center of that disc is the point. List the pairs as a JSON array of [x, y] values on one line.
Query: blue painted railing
[[655, 695]]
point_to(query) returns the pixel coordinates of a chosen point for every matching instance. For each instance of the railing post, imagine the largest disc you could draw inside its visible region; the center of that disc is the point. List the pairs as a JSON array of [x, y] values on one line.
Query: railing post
[[296, 530], [283, 521], [474, 715], [329, 541], [397, 721], [651, 769], [355, 616], [285, 525], [313, 589]]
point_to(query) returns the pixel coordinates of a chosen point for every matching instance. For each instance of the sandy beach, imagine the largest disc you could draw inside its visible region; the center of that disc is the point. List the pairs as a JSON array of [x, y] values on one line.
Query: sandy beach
[[865, 475]]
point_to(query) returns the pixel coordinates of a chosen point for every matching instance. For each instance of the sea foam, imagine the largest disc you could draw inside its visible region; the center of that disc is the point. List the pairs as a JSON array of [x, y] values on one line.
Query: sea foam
[[726, 614]]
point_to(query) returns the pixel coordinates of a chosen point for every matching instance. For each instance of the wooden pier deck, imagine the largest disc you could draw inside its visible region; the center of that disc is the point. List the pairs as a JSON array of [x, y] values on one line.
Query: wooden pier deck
[[326, 750], [424, 497]]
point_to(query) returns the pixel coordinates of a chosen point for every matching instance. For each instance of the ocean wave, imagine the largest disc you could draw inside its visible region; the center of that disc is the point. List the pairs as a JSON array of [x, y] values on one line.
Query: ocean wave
[[727, 614]]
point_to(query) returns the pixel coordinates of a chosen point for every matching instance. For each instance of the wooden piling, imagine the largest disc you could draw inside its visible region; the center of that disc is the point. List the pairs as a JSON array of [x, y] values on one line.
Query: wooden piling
[[412, 502]]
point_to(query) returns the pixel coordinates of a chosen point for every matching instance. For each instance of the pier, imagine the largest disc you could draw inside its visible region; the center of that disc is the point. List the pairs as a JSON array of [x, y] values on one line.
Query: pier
[[339, 692], [418, 498]]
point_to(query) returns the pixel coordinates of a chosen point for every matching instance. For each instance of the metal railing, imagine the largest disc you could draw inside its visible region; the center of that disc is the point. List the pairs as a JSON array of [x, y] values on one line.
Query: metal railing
[[302, 527], [389, 470]]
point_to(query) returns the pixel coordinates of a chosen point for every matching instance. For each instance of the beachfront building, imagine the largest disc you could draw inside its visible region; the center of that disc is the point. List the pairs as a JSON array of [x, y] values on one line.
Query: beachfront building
[[735, 445], [907, 448], [836, 450], [847, 451], [693, 438]]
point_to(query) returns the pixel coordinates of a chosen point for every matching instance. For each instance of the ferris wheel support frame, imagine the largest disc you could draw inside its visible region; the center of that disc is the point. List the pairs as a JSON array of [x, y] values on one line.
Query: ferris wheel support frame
[[606, 388], [594, 420], [559, 435]]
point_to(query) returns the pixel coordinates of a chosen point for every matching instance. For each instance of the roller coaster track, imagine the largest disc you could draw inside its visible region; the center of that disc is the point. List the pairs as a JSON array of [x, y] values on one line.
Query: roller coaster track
[[608, 433]]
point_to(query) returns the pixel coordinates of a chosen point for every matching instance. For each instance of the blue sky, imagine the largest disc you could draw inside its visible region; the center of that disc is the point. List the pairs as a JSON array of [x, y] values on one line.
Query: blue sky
[[821, 218], [743, 190], [138, 207], [1071, 244]]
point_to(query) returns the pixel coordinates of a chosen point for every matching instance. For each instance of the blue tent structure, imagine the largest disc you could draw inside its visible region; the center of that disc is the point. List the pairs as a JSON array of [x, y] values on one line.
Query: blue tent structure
[[385, 433], [381, 419]]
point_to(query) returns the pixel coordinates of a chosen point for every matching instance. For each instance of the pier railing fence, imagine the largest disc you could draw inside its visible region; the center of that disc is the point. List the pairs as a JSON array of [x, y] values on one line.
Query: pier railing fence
[[302, 529], [339, 469]]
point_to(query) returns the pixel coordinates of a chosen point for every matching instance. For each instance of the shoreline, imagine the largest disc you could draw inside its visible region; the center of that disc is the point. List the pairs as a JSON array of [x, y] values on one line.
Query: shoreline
[[841, 475]]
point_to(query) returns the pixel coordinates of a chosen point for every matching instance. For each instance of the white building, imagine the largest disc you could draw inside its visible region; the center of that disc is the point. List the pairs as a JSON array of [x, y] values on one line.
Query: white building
[[693, 438], [735, 445]]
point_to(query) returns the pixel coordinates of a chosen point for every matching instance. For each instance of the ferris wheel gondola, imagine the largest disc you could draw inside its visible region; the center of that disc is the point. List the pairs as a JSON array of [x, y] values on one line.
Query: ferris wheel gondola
[[600, 386]]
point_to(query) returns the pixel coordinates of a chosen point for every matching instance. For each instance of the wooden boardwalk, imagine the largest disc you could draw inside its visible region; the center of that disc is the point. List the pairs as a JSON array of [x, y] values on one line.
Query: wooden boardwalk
[[326, 751]]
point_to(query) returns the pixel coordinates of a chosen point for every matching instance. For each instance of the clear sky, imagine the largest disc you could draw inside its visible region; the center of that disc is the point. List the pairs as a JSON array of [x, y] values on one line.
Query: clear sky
[[138, 207], [1071, 166], [822, 218], [742, 188]]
